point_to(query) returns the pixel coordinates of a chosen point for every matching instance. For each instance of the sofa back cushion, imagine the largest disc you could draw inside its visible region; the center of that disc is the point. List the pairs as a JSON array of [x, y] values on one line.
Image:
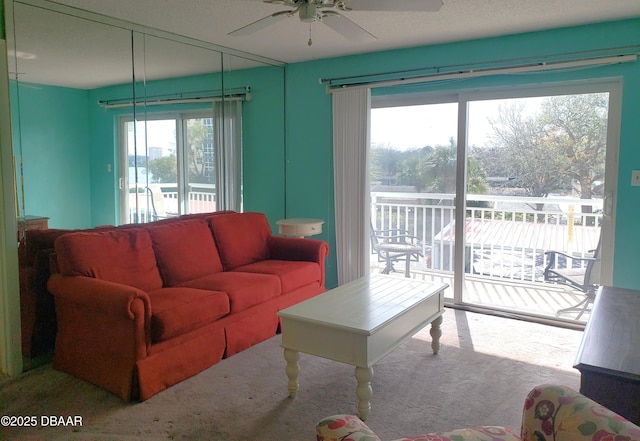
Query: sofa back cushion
[[121, 256], [185, 250], [242, 238]]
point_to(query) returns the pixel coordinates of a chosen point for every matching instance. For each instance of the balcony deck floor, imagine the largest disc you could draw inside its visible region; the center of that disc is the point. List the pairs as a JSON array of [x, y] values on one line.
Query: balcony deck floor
[[529, 299]]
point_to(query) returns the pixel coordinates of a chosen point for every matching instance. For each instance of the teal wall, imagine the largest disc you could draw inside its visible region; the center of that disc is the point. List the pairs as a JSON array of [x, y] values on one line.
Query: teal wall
[[309, 187], [51, 135]]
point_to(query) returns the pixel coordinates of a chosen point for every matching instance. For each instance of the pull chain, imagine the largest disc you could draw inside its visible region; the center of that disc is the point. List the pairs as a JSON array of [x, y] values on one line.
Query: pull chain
[[310, 42]]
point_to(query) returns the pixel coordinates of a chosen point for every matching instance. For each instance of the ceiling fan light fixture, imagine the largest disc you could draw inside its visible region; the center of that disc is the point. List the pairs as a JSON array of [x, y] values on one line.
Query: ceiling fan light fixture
[[325, 12], [308, 12]]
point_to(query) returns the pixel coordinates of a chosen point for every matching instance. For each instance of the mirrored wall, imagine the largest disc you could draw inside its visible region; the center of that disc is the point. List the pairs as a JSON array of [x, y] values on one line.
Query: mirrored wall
[[114, 123]]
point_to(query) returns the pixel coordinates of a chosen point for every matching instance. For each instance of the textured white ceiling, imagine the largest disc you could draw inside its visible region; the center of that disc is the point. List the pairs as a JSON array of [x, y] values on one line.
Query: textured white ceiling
[[212, 20]]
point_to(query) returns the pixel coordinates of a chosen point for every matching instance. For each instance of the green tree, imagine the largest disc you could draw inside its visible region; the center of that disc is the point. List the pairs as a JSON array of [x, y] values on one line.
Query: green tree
[[439, 170], [476, 176], [199, 158], [562, 145], [526, 152], [428, 169], [385, 162], [163, 169], [576, 128]]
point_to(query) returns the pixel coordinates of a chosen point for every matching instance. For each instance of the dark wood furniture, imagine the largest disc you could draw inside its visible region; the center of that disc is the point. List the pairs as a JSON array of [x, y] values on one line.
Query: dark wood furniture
[[28, 222], [609, 355]]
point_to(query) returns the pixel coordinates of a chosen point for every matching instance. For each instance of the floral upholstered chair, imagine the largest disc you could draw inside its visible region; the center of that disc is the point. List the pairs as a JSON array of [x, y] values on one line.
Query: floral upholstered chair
[[551, 413]]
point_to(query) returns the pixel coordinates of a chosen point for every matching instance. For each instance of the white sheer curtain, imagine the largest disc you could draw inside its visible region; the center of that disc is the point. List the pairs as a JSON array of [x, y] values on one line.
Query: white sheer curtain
[[351, 120], [227, 116]]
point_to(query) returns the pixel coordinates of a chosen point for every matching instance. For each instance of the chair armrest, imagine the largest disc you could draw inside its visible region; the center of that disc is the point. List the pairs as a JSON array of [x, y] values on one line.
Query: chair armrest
[[552, 254], [551, 261], [403, 239], [341, 427], [393, 230], [562, 414], [393, 233]]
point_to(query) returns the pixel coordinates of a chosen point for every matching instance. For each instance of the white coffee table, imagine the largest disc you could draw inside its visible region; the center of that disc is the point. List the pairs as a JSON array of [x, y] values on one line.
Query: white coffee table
[[360, 322]]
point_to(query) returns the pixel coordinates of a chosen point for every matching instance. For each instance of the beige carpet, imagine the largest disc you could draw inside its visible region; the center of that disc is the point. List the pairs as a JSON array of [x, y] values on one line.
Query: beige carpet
[[485, 368]]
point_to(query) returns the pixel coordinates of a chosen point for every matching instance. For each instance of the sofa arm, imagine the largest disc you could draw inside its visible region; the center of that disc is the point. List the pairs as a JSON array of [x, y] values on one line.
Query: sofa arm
[[296, 248], [558, 413], [342, 427], [103, 329], [104, 297]]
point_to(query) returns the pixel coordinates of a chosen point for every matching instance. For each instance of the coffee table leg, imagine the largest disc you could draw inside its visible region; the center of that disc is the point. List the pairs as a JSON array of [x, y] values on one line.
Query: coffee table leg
[[364, 390], [436, 332], [292, 370]]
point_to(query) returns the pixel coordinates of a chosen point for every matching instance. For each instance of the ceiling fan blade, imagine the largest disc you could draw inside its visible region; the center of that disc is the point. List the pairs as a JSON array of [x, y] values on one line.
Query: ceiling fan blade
[[280, 2], [345, 27], [262, 23], [394, 5]]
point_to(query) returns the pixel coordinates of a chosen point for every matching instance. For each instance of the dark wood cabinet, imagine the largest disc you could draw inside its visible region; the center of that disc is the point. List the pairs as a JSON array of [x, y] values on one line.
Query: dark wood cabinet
[[26, 223], [609, 355]]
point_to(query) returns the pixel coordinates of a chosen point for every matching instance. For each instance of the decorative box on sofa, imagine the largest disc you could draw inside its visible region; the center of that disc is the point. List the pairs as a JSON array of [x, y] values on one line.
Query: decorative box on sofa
[[140, 309], [551, 413]]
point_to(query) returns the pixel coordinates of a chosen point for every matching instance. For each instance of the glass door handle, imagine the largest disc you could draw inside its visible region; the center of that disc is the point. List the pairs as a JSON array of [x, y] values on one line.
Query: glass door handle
[[607, 204]]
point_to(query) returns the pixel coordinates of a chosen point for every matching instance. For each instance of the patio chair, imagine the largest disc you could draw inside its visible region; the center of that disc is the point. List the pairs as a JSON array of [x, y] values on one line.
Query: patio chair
[[394, 245], [580, 273], [157, 203]]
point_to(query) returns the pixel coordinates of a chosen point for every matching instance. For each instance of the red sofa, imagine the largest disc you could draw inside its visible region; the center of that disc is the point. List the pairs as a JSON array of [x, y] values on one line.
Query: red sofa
[[142, 308]]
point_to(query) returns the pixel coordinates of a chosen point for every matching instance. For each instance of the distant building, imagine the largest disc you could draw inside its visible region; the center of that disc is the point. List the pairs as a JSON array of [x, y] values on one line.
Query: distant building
[[155, 153]]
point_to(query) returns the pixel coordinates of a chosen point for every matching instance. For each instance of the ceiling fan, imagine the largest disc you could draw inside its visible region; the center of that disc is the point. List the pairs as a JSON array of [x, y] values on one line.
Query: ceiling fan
[[325, 11]]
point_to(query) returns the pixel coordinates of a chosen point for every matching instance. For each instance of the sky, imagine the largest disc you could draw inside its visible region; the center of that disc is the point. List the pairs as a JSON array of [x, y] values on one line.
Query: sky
[[410, 127], [404, 128], [161, 133]]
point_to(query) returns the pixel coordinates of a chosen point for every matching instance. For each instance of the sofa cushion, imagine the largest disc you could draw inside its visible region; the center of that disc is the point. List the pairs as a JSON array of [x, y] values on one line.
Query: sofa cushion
[[185, 250], [241, 238], [175, 311], [244, 289], [292, 274], [121, 256]]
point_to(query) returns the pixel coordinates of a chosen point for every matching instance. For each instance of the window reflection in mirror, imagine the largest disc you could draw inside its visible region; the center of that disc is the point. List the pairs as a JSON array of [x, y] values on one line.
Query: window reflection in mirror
[[73, 83]]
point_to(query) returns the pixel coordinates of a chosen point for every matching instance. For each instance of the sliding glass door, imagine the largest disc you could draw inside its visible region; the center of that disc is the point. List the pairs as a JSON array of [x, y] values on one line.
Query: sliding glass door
[[169, 166], [545, 185], [489, 182], [413, 185]]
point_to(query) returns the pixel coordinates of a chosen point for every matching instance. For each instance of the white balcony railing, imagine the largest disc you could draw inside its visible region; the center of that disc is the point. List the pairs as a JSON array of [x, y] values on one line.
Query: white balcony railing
[[159, 201], [505, 236]]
